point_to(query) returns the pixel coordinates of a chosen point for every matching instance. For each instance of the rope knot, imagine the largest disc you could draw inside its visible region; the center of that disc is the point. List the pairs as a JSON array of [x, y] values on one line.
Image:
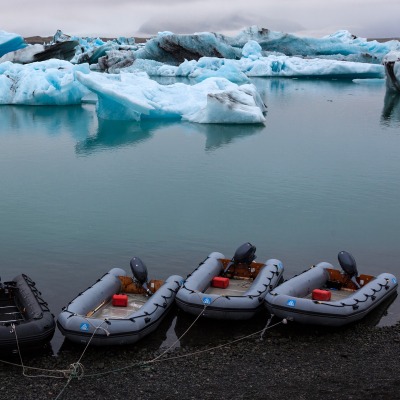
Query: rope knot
[[76, 370]]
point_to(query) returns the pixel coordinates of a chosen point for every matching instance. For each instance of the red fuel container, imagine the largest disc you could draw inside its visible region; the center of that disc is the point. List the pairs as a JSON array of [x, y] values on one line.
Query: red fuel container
[[120, 300], [220, 282], [319, 294]]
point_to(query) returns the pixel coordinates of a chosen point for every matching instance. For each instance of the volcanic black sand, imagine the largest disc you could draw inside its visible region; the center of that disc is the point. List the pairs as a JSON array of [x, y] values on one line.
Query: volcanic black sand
[[360, 361]]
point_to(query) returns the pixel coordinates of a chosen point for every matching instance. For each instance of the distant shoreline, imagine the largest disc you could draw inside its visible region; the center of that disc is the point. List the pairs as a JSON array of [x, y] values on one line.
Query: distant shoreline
[[48, 39]]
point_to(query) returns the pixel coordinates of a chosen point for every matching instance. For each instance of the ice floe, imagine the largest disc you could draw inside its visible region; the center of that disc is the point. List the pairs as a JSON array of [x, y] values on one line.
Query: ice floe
[[391, 63], [134, 96], [49, 82], [116, 73]]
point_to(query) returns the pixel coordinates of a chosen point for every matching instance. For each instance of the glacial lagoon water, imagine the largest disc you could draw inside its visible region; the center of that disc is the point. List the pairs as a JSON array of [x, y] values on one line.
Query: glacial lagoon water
[[79, 195]]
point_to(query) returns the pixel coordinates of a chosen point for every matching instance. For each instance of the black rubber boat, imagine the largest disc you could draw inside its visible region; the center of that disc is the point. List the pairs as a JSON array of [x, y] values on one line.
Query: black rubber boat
[[25, 318]]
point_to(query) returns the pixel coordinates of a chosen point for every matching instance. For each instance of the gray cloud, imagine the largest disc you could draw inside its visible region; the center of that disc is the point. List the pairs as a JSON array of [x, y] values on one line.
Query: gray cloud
[[214, 23], [366, 18]]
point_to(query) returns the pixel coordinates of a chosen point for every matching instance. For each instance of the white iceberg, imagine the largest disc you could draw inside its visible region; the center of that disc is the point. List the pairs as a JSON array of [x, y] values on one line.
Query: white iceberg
[[49, 82], [391, 64], [134, 96], [254, 65]]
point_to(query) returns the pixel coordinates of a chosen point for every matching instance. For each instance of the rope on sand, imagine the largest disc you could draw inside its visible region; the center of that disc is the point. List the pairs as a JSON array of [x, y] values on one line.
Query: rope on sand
[[76, 370]]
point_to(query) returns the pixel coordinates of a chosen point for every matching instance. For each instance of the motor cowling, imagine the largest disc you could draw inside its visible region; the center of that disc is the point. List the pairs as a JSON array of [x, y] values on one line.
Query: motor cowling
[[348, 263], [245, 254], [139, 270]]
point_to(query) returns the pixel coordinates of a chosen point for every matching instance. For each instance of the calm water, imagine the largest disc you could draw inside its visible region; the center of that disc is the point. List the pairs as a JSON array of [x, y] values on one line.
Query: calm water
[[79, 196]]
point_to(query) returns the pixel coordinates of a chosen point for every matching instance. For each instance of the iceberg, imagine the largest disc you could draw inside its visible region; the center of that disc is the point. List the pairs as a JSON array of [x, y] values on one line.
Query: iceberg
[[171, 48], [41, 52], [134, 96], [89, 50], [341, 45], [10, 42], [49, 82], [272, 66], [251, 64], [391, 63]]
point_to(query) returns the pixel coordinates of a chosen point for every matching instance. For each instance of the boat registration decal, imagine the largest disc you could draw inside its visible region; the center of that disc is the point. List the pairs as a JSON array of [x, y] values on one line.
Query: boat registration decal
[[291, 303], [207, 300], [84, 326]]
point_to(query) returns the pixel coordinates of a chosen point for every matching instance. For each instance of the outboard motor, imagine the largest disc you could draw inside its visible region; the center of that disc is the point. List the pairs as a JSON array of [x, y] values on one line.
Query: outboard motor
[[139, 271], [348, 264], [244, 254]]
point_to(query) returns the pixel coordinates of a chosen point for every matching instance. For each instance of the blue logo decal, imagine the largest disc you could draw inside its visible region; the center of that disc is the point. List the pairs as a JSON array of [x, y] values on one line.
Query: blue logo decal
[[84, 327], [206, 300], [394, 280], [291, 303]]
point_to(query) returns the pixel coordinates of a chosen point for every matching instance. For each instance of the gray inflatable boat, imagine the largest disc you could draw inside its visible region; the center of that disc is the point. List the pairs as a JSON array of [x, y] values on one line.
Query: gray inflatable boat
[[117, 309], [234, 289], [323, 295]]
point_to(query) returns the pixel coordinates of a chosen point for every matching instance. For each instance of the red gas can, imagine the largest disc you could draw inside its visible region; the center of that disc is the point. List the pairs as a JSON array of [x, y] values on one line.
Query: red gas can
[[220, 282], [120, 300], [320, 294]]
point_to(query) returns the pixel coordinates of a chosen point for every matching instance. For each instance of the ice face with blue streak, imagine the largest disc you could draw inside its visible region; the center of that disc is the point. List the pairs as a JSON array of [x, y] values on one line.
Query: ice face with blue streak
[[10, 42]]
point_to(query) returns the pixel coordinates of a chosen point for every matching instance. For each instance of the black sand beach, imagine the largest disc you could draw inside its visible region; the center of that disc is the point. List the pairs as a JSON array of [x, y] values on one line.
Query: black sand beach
[[290, 362]]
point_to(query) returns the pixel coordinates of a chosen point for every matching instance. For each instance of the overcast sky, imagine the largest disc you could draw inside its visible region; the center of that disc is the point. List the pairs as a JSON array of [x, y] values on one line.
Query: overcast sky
[[113, 18]]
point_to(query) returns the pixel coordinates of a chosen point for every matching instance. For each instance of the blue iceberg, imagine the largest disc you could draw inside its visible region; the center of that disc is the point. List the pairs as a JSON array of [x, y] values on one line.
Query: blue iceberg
[[10, 42], [49, 82], [134, 96]]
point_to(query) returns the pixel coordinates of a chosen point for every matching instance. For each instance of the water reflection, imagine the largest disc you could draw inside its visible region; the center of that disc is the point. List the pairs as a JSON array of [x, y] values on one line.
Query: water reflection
[[76, 120], [117, 134], [113, 134], [218, 136], [391, 109]]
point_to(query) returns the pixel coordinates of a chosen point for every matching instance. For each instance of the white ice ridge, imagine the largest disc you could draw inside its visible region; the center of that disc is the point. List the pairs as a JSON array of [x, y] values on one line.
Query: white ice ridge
[[271, 66], [49, 82], [133, 96]]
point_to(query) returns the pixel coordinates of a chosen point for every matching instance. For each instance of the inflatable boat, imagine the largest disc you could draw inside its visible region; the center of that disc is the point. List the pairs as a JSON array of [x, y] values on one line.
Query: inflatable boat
[[25, 318], [323, 295], [233, 289], [118, 309]]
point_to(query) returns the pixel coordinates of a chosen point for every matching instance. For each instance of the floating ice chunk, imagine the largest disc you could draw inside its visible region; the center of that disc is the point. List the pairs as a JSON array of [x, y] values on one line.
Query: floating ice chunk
[[252, 50], [39, 52], [272, 66], [297, 67], [24, 55], [10, 42], [391, 63], [49, 82], [170, 48], [133, 96]]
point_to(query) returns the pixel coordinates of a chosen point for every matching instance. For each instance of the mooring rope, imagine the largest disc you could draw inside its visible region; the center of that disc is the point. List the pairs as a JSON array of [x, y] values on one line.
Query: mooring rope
[[76, 370], [157, 359]]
